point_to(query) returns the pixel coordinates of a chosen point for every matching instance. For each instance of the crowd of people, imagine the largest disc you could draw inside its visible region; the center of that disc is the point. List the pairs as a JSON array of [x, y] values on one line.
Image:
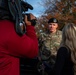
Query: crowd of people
[[57, 49]]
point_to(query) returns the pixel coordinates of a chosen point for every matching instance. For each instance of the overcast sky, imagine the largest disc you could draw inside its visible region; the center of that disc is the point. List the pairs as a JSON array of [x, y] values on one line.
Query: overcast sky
[[38, 9]]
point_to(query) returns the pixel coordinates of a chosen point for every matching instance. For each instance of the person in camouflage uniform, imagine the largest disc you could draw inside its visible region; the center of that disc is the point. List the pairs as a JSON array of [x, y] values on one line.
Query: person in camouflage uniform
[[49, 42]]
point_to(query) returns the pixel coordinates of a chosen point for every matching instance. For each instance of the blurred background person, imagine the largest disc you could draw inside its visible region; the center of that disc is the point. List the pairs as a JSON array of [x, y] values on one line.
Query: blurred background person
[[66, 56]]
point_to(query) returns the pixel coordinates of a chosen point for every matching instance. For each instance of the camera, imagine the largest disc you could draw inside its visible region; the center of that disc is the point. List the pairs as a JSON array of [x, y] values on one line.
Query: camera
[[15, 10], [25, 7], [18, 10]]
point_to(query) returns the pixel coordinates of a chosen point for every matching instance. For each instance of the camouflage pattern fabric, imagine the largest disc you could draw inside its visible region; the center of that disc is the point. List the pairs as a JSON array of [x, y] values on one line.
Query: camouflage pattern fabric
[[49, 43]]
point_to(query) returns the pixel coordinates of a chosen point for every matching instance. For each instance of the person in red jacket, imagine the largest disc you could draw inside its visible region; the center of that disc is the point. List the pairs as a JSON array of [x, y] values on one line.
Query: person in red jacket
[[13, 46]]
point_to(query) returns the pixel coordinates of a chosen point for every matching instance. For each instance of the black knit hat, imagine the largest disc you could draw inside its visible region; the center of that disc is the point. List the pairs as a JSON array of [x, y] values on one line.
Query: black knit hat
[[53, 20]]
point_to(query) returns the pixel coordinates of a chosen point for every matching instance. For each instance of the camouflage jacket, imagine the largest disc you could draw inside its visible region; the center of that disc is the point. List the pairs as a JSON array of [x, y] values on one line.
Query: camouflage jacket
[[50, 42]]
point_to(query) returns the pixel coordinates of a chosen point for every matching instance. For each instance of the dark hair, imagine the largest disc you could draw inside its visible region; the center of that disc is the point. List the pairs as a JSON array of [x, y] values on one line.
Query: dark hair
[[4, 10]]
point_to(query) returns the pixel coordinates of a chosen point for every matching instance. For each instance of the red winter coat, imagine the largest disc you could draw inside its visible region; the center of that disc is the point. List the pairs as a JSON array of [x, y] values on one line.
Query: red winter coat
[[12, 46]]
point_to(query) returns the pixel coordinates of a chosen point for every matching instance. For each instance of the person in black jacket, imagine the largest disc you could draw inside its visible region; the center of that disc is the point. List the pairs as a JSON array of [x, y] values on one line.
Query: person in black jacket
[[66, 56]]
